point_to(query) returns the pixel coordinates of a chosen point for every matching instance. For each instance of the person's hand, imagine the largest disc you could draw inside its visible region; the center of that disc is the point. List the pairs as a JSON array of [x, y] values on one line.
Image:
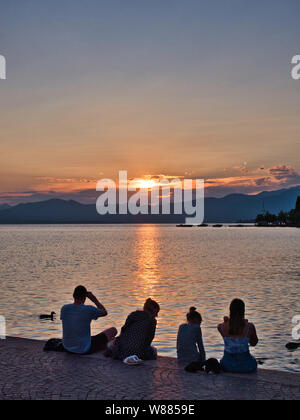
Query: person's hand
[[90, 296], [99, 305]]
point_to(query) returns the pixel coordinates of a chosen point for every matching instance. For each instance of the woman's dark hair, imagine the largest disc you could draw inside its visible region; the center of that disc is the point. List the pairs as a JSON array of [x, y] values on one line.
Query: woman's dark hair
[[237, 317], [193, 315], [80, 293], [151, 305]]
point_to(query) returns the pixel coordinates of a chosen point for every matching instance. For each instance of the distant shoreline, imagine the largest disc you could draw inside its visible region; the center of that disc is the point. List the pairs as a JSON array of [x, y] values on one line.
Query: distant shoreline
[[209, 225]]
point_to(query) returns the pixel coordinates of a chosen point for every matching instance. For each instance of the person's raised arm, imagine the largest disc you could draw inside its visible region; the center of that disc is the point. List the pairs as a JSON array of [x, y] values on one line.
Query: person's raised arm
[[97, 303], [222, 327]]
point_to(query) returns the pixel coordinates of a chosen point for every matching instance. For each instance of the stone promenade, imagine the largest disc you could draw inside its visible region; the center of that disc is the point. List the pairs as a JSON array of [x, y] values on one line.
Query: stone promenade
[[26, 372]]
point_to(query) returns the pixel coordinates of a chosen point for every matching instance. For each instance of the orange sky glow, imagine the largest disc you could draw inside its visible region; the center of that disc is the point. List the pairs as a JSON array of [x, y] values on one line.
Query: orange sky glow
[[156, 89]]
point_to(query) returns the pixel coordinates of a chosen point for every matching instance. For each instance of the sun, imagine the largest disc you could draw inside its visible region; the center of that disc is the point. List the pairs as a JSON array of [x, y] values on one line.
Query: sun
[[146, 183]]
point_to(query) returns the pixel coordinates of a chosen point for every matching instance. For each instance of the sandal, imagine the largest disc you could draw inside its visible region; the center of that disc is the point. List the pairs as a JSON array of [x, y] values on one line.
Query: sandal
[[132, 360]]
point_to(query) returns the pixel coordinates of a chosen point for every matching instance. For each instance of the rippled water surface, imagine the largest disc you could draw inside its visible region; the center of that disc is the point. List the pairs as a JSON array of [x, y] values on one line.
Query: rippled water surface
[[123, 265]]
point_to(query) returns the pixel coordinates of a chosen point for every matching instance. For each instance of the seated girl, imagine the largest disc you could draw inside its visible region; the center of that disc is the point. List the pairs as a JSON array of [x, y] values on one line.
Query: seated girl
[[189, 341], [238, 335], [138, 333]]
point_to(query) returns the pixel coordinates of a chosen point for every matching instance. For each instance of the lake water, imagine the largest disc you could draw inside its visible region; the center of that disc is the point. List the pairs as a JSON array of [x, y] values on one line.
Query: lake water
[[123, 265]]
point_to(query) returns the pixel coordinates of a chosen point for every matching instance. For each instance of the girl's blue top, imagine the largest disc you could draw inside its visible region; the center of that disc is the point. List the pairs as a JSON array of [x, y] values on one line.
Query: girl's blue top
[[190, 346]]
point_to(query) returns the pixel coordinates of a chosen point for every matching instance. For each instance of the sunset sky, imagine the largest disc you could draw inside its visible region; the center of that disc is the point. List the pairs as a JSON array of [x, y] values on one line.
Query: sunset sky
[[179, 88]]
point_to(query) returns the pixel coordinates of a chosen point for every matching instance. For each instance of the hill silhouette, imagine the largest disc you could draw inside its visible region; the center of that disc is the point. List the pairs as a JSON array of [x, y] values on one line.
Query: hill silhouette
[[4, 207], [230, 209]]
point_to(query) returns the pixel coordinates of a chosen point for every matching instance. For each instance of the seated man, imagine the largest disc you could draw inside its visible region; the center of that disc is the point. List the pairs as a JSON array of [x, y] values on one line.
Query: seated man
[[76, 319]]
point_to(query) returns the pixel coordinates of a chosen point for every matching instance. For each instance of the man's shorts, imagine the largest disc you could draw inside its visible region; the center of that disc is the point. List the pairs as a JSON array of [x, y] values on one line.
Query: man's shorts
[[99, 343]]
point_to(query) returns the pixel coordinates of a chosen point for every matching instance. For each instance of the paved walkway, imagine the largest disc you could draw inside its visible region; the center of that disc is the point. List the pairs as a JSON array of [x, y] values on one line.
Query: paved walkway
[[26, 372]]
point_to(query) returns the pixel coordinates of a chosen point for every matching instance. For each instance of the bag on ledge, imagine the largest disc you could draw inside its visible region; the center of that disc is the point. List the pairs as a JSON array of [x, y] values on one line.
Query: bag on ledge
[[54, 344], [210, 365]]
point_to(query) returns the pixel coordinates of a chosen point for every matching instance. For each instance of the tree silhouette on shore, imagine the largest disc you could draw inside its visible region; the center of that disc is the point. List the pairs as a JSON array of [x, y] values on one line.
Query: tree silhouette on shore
[[291, 218], [298, 205]]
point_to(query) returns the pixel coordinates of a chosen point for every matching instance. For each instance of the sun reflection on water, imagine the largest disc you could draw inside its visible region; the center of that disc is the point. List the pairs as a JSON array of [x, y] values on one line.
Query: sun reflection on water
[[147, 252]]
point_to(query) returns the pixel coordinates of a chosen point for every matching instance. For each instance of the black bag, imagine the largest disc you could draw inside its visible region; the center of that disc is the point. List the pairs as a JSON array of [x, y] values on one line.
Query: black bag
[[54, 344], [210, 365]]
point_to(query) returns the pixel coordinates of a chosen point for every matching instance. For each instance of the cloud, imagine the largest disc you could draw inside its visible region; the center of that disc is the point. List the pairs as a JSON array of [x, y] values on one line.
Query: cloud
[[67, 185], [243, 169], [252, 181], [262, 181], [283, 172]]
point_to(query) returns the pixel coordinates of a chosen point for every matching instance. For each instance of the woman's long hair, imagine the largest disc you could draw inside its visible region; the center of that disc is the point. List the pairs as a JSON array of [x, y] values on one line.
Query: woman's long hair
[[237, 317]]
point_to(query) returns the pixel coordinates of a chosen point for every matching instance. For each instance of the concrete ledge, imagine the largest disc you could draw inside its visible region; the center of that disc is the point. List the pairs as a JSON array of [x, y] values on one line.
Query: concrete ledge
[[29, 373]]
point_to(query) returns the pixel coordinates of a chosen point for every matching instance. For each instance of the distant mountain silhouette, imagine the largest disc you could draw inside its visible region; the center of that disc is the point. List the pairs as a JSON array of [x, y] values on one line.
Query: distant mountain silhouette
[[229, 209], [4, 207], [237, 207], [61, 212]]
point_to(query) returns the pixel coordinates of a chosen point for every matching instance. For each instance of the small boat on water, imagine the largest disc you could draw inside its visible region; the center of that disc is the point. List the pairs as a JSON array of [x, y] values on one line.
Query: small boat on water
[[182, 225], [217, 226], [203, 225]]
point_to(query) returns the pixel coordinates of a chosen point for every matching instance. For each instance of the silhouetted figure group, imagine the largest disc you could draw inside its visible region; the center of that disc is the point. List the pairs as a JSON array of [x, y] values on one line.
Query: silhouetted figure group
[[134, 344]]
